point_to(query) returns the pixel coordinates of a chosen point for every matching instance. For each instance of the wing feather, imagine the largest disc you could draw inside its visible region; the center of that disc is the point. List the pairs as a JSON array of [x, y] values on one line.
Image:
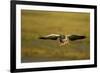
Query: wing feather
[[76, 37], [51, 36]]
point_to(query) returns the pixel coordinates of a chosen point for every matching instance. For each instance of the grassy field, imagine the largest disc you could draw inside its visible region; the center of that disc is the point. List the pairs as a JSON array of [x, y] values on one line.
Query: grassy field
[[40, 23]]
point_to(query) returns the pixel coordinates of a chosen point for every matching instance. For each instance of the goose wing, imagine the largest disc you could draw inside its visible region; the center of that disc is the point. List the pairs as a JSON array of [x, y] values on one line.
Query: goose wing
[[50, 36], [76, 37]]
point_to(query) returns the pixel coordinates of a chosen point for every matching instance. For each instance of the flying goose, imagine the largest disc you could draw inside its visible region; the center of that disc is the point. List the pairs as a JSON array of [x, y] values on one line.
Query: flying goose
[[63, 39]]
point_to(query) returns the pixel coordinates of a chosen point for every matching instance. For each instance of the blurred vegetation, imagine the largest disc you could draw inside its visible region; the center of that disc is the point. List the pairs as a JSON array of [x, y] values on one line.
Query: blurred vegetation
[[40, 23]]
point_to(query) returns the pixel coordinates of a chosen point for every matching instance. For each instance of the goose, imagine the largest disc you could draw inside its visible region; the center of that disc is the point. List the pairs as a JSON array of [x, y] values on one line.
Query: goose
[[63, 39]]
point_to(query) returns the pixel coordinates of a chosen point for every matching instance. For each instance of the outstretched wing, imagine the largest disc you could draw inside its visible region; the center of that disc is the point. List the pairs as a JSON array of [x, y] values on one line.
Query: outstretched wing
[[51, 36], [76, 37]]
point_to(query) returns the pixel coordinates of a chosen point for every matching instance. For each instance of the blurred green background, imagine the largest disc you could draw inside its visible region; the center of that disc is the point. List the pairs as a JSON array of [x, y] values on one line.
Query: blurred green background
[[39, 23]]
